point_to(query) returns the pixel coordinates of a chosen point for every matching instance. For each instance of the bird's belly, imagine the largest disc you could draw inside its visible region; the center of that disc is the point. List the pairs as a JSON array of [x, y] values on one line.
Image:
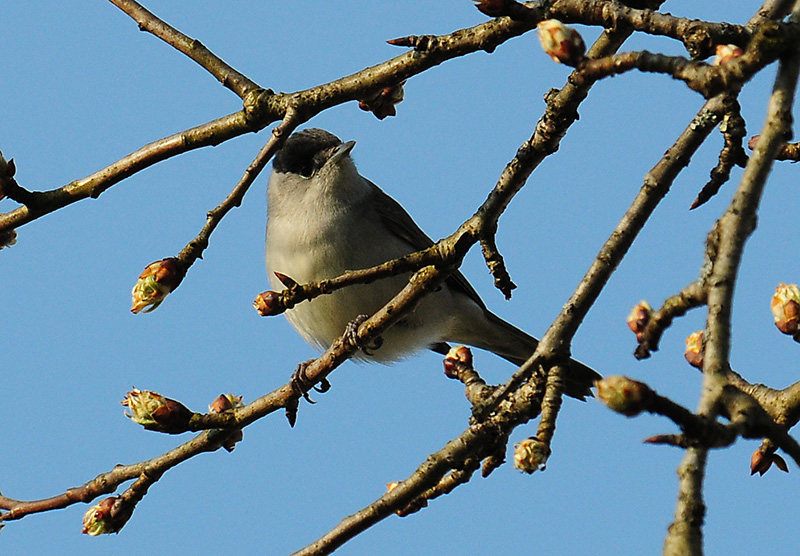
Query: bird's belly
[[324, 319]]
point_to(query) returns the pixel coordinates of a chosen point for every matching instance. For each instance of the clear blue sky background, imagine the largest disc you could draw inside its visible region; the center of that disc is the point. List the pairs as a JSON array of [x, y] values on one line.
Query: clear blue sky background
[[81, 87]]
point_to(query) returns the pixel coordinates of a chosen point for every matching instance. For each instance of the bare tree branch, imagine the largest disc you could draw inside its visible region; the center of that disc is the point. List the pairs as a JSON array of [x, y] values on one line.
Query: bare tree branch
[[753, 411], [734, 227], [193, 48]]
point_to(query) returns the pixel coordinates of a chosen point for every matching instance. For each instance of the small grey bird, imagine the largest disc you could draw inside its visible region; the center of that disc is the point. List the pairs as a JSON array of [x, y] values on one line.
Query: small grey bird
[[324, 219]]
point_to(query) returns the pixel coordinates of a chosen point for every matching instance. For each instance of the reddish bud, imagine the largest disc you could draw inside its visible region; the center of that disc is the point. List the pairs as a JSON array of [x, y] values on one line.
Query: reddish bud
[[531, 455], [228, 402], [780, 463], [108, 516], [785, 305], [561, 42], [458, 359], [725, 53], [660, 439], [269, 303], [383, 103], [401, 41], [639, 317], [225, 402], [762, 460], [156, 282], [494, 8], [695, 345], [286, 280]]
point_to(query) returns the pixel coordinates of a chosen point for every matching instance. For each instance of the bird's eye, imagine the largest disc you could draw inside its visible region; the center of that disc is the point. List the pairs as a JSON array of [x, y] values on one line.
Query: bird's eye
[[306, 170]]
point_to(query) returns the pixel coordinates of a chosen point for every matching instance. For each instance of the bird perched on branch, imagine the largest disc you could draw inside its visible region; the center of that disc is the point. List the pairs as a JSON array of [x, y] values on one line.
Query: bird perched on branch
[[324, 219]]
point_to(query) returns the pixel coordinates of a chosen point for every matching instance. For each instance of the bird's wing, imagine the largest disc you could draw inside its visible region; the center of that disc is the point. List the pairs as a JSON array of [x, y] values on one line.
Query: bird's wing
[[396, 219]]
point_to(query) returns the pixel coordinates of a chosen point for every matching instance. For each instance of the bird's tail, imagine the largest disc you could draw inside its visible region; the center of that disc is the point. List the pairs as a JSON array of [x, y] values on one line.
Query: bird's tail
[[516, 346]]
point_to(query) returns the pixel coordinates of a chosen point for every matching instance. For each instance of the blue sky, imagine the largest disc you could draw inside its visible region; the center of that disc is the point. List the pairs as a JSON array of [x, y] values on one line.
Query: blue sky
[[83, 87]]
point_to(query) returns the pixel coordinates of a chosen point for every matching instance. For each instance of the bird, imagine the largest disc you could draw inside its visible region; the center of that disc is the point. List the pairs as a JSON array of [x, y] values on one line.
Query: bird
[[324, 219]]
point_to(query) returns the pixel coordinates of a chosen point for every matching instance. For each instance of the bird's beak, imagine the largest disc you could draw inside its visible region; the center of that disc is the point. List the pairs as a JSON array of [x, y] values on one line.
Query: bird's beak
[[342, 151]]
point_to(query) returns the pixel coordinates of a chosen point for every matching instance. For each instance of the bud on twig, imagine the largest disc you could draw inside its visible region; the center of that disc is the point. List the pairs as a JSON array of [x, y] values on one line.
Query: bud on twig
[[5, 168], [269, 304], [695, 344], [8, 238], [725, 53], [561, 42], [287, 281], [7, 171], [108, 516], [494, 8], [228, 402], [156, 412], [457, 360], [225, 402], [531, 455], [413, 507], [383, 103], [624, 395], [155, 283], [639, 317], [762, 460], [785, 307]]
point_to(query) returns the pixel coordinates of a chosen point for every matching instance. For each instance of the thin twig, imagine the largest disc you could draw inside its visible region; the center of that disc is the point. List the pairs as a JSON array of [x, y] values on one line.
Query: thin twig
[[193, 48], [194, 249]]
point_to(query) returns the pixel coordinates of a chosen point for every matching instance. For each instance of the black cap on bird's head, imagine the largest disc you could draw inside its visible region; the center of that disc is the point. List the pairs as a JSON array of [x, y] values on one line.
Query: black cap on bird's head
[[307, 151]]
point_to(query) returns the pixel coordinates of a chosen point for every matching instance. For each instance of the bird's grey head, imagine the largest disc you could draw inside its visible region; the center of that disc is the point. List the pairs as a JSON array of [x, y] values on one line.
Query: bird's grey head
[[306, 152]]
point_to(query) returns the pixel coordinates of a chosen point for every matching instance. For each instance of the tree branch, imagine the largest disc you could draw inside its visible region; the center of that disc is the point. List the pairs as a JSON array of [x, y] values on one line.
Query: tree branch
[[733, 229], [193, 48]]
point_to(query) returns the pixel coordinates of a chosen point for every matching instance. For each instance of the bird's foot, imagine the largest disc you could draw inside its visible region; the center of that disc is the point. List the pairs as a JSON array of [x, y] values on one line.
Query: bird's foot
[[350, 336], [302, 384]]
